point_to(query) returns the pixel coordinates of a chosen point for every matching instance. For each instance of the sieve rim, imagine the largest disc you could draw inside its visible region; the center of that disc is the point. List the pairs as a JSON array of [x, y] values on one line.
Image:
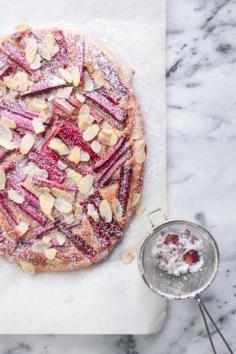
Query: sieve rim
[[143, 273]]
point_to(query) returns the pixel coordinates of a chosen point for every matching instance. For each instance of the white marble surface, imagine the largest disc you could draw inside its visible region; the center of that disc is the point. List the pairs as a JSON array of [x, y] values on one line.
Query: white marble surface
[[201, 90]]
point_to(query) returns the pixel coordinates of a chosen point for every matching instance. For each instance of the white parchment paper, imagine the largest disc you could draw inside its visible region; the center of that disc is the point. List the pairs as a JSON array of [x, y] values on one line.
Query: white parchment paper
[[109, 297]]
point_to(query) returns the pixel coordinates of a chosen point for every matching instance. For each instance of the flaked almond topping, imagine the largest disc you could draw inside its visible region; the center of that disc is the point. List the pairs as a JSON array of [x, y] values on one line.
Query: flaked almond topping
[[86, 184], [117, 209], [57, 145], [91, 132], [39, 247], [8, 145], [128, 256], [88, 84], [64, 92], [61, 238], [66, 75], [21, 27], [74, 176], [84, 110], [22, 228], [85, 121], [8, 122], [48, 47], [36, 104], [93, 212], [69, 218], [96, 146], [27, 142], [2, 179], [98, 79], [74, 155], [43, 116], [50, 253], [36, 64], [10, 83], [46, 239], [79, 212], [21, 78], [27, 267], [62, 166], [63, 205], [47, 201], [31, 50], [59, 193], [15, 197], [84, 156], [107, 136], [80, 97], [5, 132], [76, 76], [105, 211], [38, 126]]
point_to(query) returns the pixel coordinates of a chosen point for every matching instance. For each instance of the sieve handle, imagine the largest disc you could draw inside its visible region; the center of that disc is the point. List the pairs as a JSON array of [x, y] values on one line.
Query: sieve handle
[[154, 211], [205, 312]]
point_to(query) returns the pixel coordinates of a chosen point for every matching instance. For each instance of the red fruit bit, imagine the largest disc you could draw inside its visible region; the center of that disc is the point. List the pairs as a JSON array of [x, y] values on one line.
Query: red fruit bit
[[16, 55], [20, 121], [7, 211], [172, 238], [18, 109], [193, 239], [114, 230], [118, 113], [82, 168], [110, 170], [61, 58], [106, 94], [44, 86], [32, 199], [191, 256], [72, 136], [80, 55], [42, 230], [110, 74], [42, 182], [96, 115], [106, 159], [99, 231], [48, 163], [4, 70], [72, 100], [124, 186], [5, 65], [8, 166], [51, 136], [79, 243], [32, 212], [63, 105]]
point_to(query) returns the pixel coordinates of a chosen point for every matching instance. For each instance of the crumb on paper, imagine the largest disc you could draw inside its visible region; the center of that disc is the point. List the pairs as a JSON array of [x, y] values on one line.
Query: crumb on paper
[[128, 256]]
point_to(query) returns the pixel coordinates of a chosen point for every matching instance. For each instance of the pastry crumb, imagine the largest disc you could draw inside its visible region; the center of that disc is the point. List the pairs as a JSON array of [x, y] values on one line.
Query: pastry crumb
[[128, 256]]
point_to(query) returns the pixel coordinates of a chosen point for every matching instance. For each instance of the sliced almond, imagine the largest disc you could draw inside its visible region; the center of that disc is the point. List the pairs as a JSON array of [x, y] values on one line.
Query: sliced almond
[[5, 132], [46, 239], [98, 79], [31, 50], [64, 92], [75, 176], [66, 75], [15, 197], [8, 145], [36, 104], [22, 228], [21, 78], [57, 145], [21, 27], [80, 97], [10, 83], [74, 155], [79, 211], [88, 84], [62, 166], [43, 116], [128, 256], [47, 48], [86, 184], [108, 136], [61, 238], [2, 179], [8, 122], [84, 110], [91, 132], [50, 253], [117, 209], [105, 211], [93, 212], [27, 267], [27, 142], [38, 126], [76, 76], [84, 156], [47, 201], [63, 205], [59, 193], [85, 121], [69, 218], [96, 146], [36, 64], [39, 247]]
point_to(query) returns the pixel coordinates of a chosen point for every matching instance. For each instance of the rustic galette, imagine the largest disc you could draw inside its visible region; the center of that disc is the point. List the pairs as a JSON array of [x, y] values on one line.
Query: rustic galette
[[71, 150]]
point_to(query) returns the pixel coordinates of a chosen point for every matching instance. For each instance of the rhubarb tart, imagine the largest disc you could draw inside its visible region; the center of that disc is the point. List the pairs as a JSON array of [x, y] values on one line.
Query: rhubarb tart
[[71, 150]]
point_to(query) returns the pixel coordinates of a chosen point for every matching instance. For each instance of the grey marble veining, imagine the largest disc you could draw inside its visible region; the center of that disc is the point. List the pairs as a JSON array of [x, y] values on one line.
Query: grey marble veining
[[201, 86]]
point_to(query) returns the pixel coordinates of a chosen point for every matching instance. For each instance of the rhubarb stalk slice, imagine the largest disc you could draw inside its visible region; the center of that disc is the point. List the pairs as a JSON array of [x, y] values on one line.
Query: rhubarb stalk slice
[[42, 182], [44, 86], [5, 65], [106, 159], [20, 121], [125, 178], [80, 55], [110, 170], [7, 211], [9, 166], [72, 100], [18, 109], [14, 54], [63, 105], [43, 230], [32, 212], [46, 162], [118, 113], [79, 243], [84, 169], [32, 199], [96, 115]]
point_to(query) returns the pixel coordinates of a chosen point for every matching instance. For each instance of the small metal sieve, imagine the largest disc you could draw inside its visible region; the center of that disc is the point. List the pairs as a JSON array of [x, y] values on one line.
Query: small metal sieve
[[186, 286]]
